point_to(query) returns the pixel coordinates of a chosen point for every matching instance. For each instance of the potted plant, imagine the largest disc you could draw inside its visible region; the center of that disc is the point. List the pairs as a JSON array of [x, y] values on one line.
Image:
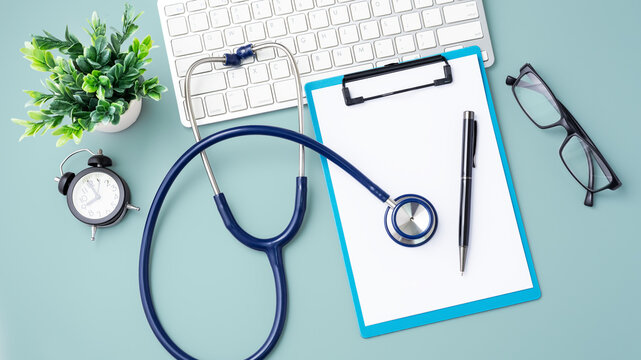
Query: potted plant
[[99, 86]]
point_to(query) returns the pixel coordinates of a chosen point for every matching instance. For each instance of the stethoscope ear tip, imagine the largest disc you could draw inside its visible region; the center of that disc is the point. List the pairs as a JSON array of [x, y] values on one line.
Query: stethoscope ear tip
[[412, 221]]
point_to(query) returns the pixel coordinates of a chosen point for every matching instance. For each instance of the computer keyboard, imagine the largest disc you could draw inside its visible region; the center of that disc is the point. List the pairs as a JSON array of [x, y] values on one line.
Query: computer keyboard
[[327, 37]]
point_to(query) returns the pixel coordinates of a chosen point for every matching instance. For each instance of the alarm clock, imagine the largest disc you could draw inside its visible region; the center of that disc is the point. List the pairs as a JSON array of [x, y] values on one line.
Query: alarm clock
[[97, 196]]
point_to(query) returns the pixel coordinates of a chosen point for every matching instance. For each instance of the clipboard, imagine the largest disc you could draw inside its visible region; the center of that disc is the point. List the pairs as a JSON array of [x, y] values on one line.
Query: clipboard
[[407, 138]]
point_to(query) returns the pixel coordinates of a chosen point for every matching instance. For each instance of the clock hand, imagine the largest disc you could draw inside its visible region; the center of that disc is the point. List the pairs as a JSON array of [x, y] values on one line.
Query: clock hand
[[90, 184], [97, 197]]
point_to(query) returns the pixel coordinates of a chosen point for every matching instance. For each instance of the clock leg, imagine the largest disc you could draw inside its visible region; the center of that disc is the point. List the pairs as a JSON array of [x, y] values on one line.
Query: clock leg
[[131, 207], [93, 232]]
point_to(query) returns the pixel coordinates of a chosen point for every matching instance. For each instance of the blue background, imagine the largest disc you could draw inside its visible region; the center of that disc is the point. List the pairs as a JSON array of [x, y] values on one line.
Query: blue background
[[62, 296]]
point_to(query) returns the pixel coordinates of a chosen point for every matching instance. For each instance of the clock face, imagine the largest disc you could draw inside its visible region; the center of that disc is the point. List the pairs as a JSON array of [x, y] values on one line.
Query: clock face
[[96, 195]]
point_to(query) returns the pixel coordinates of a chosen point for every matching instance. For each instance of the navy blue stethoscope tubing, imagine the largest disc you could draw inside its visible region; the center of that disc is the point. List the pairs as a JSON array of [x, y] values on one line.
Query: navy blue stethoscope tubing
[[272, 247]]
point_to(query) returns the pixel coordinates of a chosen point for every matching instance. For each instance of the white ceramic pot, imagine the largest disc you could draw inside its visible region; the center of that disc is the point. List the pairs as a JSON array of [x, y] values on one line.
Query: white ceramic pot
[[126, 120]]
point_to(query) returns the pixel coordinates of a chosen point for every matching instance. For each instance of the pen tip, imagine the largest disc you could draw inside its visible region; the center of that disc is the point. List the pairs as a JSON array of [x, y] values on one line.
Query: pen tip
[[461, 273]]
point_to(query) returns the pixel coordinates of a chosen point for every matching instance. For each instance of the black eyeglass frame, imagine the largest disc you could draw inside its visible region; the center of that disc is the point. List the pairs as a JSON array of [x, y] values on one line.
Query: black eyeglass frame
[[572, 127]]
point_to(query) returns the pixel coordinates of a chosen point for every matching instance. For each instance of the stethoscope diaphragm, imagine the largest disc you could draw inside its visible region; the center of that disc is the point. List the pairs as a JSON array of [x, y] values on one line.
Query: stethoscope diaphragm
[[412, 221]]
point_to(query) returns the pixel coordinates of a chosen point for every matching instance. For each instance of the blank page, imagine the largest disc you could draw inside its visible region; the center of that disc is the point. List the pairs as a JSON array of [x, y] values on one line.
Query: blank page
[[411, 143]]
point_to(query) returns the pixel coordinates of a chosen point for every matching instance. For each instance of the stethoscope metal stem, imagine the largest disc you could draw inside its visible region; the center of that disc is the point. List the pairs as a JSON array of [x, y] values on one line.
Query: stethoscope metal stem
[[192, 117]]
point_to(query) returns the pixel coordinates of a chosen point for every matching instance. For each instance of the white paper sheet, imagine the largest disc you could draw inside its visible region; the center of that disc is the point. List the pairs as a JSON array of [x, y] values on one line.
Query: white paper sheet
[[411, 143]]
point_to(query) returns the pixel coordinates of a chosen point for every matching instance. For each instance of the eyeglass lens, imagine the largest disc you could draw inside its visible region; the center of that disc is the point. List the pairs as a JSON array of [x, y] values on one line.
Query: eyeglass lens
[[536, 100], [581, 161]]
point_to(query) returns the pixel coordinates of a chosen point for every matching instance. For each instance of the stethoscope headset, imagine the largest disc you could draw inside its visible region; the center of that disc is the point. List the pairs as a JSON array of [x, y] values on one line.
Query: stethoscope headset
[[410, 220]]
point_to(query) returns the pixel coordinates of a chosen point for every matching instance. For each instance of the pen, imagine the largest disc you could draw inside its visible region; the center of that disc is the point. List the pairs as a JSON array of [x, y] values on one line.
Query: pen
[[467, 162]]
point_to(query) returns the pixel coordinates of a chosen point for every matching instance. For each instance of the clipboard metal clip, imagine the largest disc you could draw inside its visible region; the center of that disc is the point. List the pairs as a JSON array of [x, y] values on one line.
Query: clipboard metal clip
[[390, 68]]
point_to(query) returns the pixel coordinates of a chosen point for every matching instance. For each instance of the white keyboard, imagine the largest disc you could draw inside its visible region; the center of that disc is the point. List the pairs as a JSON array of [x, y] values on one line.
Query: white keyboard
[[327, 37]]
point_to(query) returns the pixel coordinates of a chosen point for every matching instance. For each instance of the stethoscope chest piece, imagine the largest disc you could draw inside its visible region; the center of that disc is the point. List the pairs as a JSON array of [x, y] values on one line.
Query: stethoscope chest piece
[[412, 221]]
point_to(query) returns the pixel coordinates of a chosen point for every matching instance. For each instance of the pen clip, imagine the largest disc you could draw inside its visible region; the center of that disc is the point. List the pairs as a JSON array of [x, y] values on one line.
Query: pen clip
[[474, 144]]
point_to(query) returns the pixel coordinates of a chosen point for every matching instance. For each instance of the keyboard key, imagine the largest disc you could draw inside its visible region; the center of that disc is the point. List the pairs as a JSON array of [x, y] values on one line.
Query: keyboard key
[[258, 73], [297, 23], [439, 2], [197, 107], [261, 9], [425, 40], [348, 34], [339, 15], [484, 55], [174, 9], [236, 100], [460, 12], [177, 26], [410, 57], [318, 19], [384, 48], [369, 30], [279, 69], [432, 17], [342, 56], [360, 11], [289, 44], [219, 18], [302, 63], [381, 7], [282, 7], [327, 38], [402, 5], [321, 61], [386, 62], [285, 90], [302, 5], [321, 3], [411, 21], [216, 3], [234, 36], [240, 14], [260, 95], [265, 54], [255, 32], [390, 26], [276, 27], [306, 43], [183, 64], [215, 104], [458, 33], [198, 22], [186, 46], [208, 83], [363, 52], [213, 40], [419, 4], [452, 48], [196, 5], [405, 44], [237, 77]]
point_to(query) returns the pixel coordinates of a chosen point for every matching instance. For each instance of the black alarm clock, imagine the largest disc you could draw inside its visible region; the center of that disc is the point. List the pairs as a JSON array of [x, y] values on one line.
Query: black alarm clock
[[97, 196]]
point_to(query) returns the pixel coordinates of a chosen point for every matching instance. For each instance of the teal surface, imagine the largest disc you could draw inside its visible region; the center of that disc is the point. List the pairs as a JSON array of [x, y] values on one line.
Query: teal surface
[[63, 297], [449, 312]]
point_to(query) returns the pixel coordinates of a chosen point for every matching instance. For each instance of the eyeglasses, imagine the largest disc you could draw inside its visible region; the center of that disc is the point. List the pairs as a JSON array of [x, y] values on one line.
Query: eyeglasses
[[578, 153]]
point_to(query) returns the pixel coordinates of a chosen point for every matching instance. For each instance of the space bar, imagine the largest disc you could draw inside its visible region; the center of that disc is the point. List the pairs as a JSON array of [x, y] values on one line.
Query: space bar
[[338, 72]]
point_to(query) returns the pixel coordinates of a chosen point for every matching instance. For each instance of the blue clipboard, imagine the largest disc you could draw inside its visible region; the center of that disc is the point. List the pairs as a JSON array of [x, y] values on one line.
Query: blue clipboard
[[449, 312]]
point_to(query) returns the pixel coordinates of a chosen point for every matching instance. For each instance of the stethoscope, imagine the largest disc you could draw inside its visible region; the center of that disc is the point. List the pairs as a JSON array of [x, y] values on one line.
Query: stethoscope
[[410, 220]]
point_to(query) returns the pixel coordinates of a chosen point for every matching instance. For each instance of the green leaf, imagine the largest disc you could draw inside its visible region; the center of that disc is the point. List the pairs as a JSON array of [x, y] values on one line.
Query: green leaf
[[63, 140], [100, 93], [21, 122], [49, 60], [129, 60], [37, 115]]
